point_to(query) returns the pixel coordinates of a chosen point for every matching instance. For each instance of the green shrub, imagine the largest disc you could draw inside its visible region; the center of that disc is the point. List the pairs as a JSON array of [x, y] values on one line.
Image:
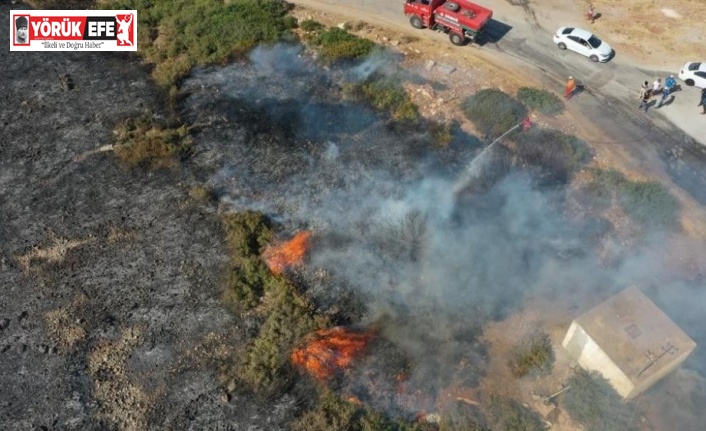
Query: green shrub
[[290, 22], [142, 142], [540, 100], [267, 367], [310, 25], [336, 44], [534, 355], [385, 95], [646, 202], [334, 413], [556, 154], [649, 203], [493, 112], [441, 133], [509, 415], [203, 194], [593, 403], [175, 35], [247, 233]]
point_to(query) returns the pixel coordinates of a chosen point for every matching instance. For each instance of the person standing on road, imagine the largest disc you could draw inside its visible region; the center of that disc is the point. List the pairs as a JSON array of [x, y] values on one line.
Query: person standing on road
[[656, 87], [703, 101], [570, 87], [670, 84], [665, 94], [644, 96]]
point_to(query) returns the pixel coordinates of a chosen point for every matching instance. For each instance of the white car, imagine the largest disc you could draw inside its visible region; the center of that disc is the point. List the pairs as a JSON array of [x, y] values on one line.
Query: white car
[[583, 42], [693, 74]]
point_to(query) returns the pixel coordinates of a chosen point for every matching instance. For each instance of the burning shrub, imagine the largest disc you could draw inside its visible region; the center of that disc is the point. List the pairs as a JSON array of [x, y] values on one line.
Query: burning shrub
[[647, 202], [493, 112], [592, 402], [330, 350], [540, 100], [202, 31], [336, 44], [534, 355], [288, 254], [141, 141], [509, 415], [556, 154]]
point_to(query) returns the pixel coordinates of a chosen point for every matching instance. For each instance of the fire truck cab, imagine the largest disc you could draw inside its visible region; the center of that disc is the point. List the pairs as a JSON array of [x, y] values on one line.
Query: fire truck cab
[[462, 20]]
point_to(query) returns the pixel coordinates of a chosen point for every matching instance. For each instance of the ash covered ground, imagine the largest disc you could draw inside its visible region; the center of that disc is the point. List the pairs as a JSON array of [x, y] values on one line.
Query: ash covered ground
[[110, 310]]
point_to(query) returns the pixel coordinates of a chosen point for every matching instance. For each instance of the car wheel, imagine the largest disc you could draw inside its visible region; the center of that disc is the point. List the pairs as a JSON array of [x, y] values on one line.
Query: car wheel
[[416, 21], [593, 58], [457, 39], [689, 82], [561, 45]]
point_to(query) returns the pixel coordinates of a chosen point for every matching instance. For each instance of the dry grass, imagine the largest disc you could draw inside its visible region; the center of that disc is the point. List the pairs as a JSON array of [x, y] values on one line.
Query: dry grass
[[121, 401], [52, 253], [62, 325], [116, 235]]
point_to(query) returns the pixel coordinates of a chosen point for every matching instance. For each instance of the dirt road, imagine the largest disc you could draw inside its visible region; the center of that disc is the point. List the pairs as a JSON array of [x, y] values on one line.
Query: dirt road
[[671, 140]]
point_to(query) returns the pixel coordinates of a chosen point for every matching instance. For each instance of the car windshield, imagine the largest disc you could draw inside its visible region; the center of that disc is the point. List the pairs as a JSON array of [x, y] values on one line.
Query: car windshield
[[594, 42], [694, 66]]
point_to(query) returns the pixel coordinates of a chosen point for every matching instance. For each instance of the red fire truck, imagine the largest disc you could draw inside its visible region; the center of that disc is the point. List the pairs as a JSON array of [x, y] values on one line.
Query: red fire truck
[[462, 20]]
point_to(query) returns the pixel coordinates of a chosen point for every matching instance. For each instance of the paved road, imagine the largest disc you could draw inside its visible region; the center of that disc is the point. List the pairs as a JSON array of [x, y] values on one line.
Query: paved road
[[671, 139]]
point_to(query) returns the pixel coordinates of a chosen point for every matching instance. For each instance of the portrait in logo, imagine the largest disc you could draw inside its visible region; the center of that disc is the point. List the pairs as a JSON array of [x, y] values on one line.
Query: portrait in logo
[[21, 30], [125, 29]]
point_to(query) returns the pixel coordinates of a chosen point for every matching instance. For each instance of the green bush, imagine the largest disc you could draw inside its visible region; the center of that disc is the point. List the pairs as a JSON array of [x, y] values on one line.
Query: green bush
[[247, 233], [593, 403], [534, 355], [267, 368], [441, 133], [175, 35], [540, 100], [649, 203], [646, 202], [310, 25], [333, 413], [509, 415], [336, 44], [203, 194], [385, 95], [493, 112], [142, 142], [556, 154]]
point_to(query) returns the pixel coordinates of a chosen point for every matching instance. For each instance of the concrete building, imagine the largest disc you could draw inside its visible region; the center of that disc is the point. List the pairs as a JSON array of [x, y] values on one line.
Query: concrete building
[[628, 340]]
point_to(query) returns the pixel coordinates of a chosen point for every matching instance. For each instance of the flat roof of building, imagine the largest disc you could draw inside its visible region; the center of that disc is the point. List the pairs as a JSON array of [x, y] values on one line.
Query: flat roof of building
[[637, 336]]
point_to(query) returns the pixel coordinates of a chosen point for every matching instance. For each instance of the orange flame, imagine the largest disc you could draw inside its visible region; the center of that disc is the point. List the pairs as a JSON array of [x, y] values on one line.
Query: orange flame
[[330, 350], [287, 254]]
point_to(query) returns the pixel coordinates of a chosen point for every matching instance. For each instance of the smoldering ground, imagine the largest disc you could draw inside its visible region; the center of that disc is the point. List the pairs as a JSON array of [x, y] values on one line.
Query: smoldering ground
[[434, 251]]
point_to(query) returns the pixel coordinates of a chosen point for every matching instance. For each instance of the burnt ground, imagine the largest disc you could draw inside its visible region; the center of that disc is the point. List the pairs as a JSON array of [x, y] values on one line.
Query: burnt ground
[[110, 278]]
